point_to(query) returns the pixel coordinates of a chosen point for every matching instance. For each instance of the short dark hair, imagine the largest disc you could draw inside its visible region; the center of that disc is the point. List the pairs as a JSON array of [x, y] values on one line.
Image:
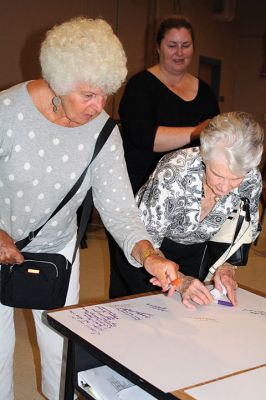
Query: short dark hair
[[174, 21]]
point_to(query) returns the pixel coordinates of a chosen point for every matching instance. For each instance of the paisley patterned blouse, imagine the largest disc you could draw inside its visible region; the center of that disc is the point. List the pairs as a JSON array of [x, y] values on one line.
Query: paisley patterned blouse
[[170, 201]]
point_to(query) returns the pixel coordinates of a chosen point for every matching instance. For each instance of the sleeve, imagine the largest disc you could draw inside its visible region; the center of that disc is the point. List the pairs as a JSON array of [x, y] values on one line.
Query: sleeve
[[137, 113], [114, 199], [160, 199]]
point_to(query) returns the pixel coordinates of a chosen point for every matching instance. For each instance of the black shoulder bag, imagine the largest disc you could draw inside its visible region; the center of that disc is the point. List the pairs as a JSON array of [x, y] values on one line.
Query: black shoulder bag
[[41, 281]]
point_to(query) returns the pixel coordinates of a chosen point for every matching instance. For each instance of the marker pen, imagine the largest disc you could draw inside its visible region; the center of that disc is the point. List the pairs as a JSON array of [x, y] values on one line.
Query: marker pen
[[219, 298], [176, 282], [224, 303]]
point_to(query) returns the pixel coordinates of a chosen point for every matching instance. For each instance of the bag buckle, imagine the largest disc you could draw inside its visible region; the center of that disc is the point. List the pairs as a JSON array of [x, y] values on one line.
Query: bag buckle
[[246, 208], [31, 236]]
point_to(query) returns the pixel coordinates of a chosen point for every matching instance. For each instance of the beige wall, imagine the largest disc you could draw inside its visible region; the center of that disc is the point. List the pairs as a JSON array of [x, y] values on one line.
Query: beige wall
[[250, 88], [238, 44]]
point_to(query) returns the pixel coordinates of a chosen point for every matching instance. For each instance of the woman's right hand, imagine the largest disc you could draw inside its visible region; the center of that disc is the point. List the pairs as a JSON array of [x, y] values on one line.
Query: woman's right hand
[[164, 272], [197, 130], [191, 289], [9, 253]]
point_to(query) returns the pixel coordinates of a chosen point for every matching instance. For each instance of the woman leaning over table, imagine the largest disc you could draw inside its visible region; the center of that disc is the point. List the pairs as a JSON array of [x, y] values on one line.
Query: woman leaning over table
[[193, 191], [190, 195], [47, 135]]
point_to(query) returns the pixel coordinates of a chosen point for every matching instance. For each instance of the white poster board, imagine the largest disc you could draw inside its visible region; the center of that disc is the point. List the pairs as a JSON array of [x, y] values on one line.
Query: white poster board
[[171, 346], [250, 385]]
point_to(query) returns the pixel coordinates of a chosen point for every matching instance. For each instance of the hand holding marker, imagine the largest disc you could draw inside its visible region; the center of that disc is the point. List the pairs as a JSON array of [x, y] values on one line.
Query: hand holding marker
[[219, 298]]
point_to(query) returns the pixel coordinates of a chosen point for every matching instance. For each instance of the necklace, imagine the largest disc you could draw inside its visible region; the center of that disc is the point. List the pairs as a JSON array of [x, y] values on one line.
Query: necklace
[[214, 198]]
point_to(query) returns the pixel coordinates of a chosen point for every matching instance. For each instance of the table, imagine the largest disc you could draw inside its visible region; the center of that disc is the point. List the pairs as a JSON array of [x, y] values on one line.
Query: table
[[164, 348]]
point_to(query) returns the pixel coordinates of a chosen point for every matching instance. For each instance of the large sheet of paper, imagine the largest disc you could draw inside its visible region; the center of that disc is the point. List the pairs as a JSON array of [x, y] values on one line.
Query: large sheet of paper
[[171, 346], [246, 386]]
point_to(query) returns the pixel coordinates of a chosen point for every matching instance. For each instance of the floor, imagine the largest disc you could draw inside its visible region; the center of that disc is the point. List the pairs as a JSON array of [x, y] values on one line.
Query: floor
[[94, 286]]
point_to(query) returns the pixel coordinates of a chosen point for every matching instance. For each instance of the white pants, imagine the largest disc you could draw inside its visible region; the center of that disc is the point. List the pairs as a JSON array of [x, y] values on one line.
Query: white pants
[[50, 342]]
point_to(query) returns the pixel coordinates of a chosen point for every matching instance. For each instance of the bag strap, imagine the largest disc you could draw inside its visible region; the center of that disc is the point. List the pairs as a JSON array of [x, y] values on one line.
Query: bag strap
[[244, 214], [102, 138], [84, 220]]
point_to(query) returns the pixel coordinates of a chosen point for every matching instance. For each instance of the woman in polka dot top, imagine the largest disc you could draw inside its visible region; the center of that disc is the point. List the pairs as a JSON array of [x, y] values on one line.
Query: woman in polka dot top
[[48, 129]]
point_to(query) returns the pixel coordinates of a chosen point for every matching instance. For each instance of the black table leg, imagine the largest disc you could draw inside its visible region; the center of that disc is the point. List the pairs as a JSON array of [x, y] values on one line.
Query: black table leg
[[69, 382]]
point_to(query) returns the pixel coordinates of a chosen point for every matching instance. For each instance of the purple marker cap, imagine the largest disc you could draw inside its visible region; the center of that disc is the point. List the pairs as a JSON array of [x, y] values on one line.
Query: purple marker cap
[[225, 303]]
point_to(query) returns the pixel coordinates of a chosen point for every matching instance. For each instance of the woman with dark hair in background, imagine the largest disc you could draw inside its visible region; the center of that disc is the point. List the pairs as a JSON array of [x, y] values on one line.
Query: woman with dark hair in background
[[164, 107]]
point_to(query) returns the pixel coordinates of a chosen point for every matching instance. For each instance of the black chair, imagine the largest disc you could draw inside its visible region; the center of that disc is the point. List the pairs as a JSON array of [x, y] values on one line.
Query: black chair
[[262, 201]]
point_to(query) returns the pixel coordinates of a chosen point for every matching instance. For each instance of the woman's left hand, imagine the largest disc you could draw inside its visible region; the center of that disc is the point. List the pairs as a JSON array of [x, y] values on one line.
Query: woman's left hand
[[226, 275], [192, 291]]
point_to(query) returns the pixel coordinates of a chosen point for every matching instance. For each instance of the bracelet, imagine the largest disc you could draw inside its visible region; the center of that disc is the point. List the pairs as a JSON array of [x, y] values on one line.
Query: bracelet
[[228, 265], [146, 253]]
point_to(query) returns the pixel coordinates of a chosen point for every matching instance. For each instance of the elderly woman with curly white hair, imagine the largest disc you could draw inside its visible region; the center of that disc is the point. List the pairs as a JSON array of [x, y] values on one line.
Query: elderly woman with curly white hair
[[190, 195], [48, 132]]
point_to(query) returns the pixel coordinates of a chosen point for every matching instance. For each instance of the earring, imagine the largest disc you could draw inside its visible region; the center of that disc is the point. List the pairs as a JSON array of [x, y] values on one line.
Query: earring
[[56, 101]]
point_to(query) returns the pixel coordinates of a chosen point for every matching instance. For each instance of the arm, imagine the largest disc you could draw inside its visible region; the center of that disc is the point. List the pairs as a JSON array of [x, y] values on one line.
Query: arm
[[114, 200], [152, 120], [225, 274], [162, 271], [9, 254], [170, 138]]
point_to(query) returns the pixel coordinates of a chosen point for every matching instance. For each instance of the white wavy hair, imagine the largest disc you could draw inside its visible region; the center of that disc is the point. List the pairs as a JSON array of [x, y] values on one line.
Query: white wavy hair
[[83, 50], [238, 137]]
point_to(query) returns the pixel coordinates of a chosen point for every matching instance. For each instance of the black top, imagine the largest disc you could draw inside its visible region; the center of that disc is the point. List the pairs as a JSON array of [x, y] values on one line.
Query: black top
[[146, 104]]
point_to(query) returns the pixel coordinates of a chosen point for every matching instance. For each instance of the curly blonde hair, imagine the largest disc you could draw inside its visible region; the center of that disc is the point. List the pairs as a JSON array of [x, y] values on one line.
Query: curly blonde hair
[[238, 136], [83, 50]]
